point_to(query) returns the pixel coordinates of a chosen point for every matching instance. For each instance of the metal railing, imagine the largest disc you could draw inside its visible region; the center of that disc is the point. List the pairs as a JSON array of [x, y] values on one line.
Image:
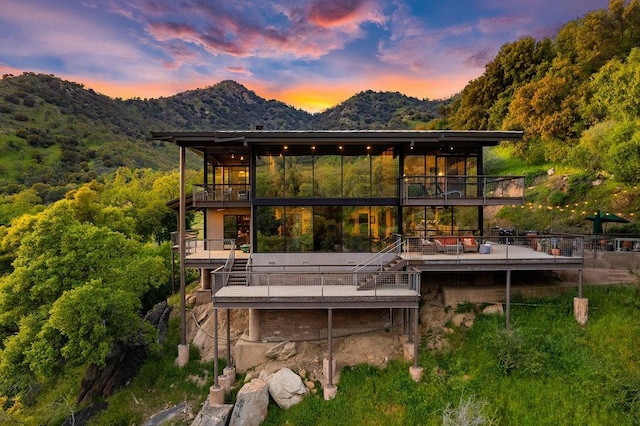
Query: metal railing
[[462, 186], [377, 260], [221, 192], [318, 284], [548, 247]]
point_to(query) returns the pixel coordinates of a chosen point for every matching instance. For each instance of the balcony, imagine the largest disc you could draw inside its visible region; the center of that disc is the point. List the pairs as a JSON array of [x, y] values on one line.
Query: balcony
[[221, 195], [462, 190]]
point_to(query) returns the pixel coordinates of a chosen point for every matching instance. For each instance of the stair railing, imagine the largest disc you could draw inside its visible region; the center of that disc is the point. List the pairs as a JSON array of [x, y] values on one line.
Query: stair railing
[[376, 259]]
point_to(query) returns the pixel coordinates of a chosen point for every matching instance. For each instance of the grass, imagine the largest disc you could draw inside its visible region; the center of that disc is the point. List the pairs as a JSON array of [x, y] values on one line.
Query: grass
[[546, 369]]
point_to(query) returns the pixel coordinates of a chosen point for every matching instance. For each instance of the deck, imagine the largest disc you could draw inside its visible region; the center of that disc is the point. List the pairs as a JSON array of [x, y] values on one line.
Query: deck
[[328, 280]]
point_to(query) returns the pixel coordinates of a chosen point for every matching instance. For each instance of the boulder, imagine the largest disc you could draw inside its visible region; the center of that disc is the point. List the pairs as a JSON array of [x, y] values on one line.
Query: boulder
[[496, 309], [251, 406], [432, 317], [213, 415], [282, 351], [286, 388]]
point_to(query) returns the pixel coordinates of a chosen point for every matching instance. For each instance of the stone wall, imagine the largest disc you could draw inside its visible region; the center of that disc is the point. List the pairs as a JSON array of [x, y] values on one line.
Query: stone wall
[[311, 324]]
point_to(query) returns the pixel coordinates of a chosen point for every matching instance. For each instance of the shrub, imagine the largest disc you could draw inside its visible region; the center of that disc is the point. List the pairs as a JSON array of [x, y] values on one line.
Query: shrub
[[469, 411]]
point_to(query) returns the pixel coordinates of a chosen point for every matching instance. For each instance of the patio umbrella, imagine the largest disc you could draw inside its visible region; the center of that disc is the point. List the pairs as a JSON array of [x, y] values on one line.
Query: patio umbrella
[[599, 218]]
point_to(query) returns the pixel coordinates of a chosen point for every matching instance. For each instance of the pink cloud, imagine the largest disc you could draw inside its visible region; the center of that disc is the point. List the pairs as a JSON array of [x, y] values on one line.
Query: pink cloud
[[240, 70], [263, 30]]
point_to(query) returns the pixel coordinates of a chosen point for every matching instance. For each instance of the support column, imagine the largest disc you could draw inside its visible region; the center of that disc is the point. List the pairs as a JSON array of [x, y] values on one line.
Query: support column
[[229, 370], [254, 325], [415, 370], [183, 348], [508, 297], [580, 283], [330, 390], [216, 392], [205, 279]]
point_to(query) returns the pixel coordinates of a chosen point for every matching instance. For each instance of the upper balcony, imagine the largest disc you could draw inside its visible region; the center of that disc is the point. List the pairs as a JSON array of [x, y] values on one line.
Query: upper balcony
[[461, 190], [221, 195]]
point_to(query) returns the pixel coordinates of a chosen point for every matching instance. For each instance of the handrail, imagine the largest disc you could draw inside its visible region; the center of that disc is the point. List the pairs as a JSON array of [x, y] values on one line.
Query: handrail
[[318, 283], [395, 247], [460, 186]]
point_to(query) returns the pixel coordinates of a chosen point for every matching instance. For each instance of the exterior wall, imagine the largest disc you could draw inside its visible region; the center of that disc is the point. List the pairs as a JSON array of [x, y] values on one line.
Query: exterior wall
[[280, 325], [215, 220]]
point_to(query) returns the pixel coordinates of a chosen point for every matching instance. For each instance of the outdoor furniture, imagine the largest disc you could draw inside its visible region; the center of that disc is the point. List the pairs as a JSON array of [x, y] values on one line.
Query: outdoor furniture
[[469, 244], [448, 245]]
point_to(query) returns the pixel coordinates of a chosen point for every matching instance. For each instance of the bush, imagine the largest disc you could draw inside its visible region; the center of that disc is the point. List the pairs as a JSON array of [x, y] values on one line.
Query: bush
[[469, 411]]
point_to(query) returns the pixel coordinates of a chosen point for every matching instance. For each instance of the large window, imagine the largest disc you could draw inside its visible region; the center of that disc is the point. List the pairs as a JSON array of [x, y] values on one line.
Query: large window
[[270, 177], [297, 229], [425, 221], [327, 176]]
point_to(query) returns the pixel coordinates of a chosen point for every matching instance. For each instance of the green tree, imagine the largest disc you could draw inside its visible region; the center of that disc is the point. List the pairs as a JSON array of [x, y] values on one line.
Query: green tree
[[75, 286], [616, 89]]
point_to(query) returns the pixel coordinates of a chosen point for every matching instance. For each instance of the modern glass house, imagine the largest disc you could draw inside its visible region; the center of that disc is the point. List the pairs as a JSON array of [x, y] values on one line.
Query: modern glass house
[[343, 220]]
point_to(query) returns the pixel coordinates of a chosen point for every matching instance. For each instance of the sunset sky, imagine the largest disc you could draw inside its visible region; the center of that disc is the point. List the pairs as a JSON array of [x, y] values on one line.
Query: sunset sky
[[311, 54]]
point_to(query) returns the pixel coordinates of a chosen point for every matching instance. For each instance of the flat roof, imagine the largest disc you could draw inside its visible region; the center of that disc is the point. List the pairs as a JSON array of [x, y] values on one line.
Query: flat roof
[[266, 137]]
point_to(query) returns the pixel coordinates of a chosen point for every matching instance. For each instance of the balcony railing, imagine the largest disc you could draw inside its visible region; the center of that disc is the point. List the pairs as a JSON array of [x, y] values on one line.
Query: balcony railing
[[462, 190], [279, 285], [221, 193]]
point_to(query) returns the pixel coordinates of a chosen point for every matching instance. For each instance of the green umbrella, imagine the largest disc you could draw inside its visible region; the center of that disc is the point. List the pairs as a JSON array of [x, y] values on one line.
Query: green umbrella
[[599, 218]]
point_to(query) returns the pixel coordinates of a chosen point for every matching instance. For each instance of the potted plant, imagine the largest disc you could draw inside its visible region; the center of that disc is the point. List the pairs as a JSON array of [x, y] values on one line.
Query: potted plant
[[555, 247]]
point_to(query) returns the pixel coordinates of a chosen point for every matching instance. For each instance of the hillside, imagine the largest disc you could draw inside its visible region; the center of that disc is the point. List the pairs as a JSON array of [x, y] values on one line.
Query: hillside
[[56, 132]]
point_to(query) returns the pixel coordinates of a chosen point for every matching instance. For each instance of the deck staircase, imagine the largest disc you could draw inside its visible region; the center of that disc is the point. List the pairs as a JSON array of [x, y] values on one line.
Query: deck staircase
[[237, 275], [378, 277]]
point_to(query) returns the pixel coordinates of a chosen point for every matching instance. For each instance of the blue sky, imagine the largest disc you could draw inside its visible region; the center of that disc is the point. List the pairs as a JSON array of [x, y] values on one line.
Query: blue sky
[[311, 54]]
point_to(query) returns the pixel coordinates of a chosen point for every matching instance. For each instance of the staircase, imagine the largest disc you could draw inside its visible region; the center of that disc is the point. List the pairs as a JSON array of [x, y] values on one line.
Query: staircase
[[378, 278], [237, 275]]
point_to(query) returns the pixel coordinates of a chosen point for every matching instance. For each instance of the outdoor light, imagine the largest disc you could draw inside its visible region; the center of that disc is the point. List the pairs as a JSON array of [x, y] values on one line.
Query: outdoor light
[[412, 144]]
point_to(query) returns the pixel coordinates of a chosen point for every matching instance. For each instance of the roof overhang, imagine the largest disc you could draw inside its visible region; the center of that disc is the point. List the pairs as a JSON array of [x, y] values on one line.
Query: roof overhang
[[240, 141]]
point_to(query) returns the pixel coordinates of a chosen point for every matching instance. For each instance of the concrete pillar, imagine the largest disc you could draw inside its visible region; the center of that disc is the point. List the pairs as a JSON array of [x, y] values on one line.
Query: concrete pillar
[[325, 370], [330, 392], [231, 373], [183, 355], [581, 310], [216, 395], [254, 325], [205, 279], [415, 373], [224, 382]]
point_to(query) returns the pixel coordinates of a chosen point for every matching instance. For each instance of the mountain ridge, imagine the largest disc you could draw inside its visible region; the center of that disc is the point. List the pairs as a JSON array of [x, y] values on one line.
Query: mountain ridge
[[57, 132]]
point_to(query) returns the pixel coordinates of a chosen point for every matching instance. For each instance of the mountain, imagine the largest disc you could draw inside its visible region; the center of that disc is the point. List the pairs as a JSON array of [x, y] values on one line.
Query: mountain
[[55, 132], [379, 110]]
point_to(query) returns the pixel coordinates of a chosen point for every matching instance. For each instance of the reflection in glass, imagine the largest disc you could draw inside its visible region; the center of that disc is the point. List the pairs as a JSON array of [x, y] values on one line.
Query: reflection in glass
[[269, 229], [269, 177], [355, 229], [328, 176], [356, 176], [299, 229], [327, 230]]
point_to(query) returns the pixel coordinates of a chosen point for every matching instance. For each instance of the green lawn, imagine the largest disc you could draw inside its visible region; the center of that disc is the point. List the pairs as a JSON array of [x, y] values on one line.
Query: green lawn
[[544, 370]]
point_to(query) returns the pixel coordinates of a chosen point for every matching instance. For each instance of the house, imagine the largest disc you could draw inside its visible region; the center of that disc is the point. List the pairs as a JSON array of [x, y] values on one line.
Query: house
[[324, 233]]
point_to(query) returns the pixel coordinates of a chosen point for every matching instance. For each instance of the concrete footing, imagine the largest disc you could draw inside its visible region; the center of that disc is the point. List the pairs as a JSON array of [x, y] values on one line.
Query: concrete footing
[[330, 392], [416, 373], [581, 310], [325, 369], [407, 351], [231, 373], [216, 395], [224, 382], [183, 355]]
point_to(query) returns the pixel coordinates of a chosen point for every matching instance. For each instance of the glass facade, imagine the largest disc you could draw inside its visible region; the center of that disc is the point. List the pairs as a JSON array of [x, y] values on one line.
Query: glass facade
[[327, 176], [297, 229], [309, 203]]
